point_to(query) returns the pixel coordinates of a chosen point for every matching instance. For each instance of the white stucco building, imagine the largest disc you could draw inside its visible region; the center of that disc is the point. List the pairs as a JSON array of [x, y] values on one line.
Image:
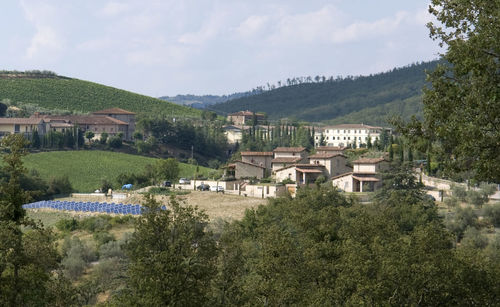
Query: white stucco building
[[346, 134]]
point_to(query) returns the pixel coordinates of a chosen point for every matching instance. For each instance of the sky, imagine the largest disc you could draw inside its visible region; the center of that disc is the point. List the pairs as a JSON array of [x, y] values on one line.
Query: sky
[[165, 48]]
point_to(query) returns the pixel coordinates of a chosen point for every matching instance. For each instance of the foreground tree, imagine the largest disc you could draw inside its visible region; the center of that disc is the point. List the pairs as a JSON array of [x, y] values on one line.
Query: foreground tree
[[172, 258], [28, 259], [462, 106]]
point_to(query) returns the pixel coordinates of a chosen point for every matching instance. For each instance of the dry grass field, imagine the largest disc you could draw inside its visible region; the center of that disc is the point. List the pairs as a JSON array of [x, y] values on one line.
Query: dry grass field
[[216, 205]]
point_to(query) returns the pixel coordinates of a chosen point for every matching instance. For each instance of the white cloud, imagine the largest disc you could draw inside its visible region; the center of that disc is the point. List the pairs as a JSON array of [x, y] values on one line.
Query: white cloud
[[113, 8], [252, 26], [47, 39]]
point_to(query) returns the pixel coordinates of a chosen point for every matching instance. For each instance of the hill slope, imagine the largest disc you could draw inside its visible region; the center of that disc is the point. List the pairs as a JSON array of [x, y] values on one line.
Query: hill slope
[[86, 169], [60, 93], [327, 101]]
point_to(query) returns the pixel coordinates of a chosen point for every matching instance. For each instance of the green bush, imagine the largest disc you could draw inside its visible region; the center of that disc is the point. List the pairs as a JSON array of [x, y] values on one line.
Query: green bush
[[476, 198], [474, 239], [60, 185], [67, 225], [492, 213], [459, 192], [115, 142], [102, 237], [96, 223], [121, 219], [111, 249]]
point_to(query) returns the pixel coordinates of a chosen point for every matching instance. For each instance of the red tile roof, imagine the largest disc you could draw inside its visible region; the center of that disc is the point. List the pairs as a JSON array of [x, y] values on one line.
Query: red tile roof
[[330, 148], [116, 111], [289, 149], [286, 160], [248, 163], [302, 166], [88, 119], [325, 155], [256, 153], [246, 113], [369, 160], [20, 121], [352, 126]]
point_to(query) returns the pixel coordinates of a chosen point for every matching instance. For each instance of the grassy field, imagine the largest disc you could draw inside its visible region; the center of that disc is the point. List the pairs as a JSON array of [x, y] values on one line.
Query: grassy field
[[87, 169], [58, 93]]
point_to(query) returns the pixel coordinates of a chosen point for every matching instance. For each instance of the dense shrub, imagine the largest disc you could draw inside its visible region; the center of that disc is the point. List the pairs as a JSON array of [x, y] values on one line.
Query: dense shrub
[[67, 225], [60, 185], [115, 142], [96, 223], [459, 192], [102, 237], [492, 213]]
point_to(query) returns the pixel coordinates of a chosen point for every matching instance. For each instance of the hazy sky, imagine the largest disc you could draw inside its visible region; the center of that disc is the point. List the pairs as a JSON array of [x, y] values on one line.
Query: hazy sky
[[211, 47]]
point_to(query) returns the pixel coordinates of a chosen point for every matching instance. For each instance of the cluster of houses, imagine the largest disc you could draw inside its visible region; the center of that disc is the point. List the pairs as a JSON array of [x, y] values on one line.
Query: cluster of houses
[[344, 135], [111, 121], [293, 164]]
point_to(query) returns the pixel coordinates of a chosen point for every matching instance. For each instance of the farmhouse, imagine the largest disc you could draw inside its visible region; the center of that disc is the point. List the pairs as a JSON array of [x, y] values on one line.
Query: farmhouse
[[242, 118], [21, 125], [241, 169], [112, 121], [262, 158], [365, 176], [334, 163], [301, 173], [285, 156]]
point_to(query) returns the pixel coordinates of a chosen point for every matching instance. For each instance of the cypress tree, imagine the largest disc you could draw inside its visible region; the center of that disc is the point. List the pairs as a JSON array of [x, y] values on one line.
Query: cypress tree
[[35, 139], [401, 153]]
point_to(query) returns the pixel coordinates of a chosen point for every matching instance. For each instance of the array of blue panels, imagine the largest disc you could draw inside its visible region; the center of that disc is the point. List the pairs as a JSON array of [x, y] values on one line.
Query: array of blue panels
[[87, 207]]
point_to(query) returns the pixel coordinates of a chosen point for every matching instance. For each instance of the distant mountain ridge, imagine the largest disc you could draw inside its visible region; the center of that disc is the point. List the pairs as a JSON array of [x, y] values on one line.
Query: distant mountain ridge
[[369, 99], [203, 101]]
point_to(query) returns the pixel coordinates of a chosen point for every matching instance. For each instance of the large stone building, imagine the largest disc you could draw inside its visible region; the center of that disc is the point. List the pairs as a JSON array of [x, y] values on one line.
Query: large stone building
[[347, 134], [243, 118], [112, 121]]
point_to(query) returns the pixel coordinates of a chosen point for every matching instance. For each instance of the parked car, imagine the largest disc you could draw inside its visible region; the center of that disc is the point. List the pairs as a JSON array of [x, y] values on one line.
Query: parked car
[[184, 181], [203, 187], [167, 184], [217, 189]]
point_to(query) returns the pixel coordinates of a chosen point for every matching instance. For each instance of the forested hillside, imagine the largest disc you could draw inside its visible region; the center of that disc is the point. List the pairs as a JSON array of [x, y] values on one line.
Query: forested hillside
[[53, 92], [358, 98]]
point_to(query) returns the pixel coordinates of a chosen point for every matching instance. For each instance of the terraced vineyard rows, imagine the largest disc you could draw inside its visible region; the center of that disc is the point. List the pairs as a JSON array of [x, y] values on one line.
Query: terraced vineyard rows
[[84, 96]]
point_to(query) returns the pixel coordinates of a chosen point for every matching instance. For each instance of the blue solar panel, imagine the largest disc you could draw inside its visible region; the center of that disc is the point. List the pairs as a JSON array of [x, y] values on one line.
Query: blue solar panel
[[120, 208]]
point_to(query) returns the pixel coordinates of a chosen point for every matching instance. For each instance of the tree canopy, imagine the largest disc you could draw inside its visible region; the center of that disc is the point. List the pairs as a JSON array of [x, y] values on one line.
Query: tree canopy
[[462, 105]]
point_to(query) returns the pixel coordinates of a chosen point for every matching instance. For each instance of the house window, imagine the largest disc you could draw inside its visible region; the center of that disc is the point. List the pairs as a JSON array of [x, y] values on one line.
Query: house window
[[359, 138], [344, 138], [348, 137], [16, 128]]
